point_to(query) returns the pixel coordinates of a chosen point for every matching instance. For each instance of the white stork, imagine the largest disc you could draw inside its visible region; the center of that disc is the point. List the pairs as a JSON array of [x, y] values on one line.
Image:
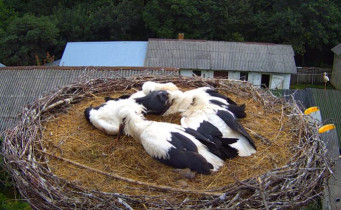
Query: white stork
[[218, 123], [150, 86], [180, 101], [169, 143], [325, 80], [104, 117]]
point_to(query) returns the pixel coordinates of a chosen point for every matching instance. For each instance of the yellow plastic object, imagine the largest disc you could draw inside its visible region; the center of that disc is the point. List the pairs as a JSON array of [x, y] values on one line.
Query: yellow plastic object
[[311, 110], [326, 128]]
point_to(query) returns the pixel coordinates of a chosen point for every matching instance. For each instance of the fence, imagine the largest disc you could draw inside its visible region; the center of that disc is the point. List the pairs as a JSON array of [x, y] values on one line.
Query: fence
[[310, 75]]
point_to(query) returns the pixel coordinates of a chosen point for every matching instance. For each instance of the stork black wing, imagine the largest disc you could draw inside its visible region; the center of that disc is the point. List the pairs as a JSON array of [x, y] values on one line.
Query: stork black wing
[[108, 98], [234, 124], [214, 93]]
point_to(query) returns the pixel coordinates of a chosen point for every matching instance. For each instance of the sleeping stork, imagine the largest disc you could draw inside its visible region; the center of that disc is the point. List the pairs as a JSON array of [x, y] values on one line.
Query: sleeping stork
[[104, 117], [150, 86], [170, 144], [218, 123], [180, 101]]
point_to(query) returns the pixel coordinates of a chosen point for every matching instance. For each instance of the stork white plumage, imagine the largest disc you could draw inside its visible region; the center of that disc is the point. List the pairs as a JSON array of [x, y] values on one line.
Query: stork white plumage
[[325, 79], [169, 143], [150, 86], [180, 101], [104, 117], [201, 115]]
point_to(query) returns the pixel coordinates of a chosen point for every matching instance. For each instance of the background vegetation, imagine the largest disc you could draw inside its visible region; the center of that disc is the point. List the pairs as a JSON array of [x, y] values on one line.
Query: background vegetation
[[31, 28]]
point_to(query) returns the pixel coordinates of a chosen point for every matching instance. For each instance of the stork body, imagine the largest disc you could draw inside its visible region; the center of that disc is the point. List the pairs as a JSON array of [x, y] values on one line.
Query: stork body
[[150, 86], [325, 79], [171, 144], [232, 134], [180, 101], [104, 117]]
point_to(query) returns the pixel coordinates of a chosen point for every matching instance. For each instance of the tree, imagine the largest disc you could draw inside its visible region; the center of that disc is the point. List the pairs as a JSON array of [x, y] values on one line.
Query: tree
[[6, 15], [28, 38]]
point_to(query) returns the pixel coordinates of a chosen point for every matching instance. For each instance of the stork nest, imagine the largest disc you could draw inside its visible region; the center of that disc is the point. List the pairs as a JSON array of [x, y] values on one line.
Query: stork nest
[[58, 160]]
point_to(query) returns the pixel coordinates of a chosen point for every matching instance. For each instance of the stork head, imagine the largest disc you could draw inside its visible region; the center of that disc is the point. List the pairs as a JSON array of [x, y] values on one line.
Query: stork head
[[150, 86], [87, 113]]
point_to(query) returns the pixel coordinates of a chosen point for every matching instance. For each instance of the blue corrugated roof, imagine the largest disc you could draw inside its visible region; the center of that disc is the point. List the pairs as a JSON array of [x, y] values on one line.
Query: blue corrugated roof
[[111, 53], [2, 65]]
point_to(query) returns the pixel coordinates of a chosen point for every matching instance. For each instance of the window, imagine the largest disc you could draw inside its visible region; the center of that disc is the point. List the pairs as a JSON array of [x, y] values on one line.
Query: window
[[243, 76], [197, 73]]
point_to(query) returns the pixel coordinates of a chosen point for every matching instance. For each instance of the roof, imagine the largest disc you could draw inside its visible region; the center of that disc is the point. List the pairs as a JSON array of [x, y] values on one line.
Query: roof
[[2, 65], [337, 49], [23, 85], [220, 55], [111, 53]]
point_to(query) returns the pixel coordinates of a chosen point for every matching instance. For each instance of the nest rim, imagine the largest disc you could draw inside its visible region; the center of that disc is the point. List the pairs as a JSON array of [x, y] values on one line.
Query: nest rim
[[24, 158]]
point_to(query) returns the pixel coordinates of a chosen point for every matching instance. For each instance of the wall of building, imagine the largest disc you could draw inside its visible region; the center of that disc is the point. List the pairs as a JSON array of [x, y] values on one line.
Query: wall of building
[[335, 78], [277, 81], [234, 75], [255, 78]]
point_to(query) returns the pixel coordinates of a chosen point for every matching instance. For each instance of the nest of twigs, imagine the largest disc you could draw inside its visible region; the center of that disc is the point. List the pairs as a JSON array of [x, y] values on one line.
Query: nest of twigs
[[58, 160]]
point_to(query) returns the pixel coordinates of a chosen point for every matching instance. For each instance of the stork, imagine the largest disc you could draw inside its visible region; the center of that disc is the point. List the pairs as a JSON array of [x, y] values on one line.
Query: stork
[[325, 80], [180, 101], [170, 144], [202, 113], [150, 86], [104, 117]]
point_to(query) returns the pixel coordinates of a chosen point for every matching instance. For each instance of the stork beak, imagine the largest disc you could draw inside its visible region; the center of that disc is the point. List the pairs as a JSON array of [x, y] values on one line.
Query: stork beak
[[120, 132]]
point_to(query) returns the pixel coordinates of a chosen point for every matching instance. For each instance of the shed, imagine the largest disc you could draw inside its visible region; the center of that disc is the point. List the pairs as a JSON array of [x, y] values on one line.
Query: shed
[[266, 64], [111, 53], [336, 72], [2, 65]]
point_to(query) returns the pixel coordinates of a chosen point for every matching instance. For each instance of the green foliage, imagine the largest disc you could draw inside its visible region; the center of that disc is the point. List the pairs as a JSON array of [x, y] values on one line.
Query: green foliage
[[26, 38], [6, 15], [7, 203], [311, 27], [314, 205], [7, 189], [302, 86]]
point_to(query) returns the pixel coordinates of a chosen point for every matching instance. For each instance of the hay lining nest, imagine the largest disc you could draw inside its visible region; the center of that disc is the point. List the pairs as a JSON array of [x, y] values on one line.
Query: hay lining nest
[[28, 157]]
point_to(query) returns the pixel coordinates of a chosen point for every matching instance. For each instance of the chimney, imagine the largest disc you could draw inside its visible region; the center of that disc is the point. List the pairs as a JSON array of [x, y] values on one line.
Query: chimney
[[181, 36]]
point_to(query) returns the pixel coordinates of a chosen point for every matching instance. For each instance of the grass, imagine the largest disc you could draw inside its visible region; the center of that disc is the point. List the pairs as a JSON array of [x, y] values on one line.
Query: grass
[[302, 86]]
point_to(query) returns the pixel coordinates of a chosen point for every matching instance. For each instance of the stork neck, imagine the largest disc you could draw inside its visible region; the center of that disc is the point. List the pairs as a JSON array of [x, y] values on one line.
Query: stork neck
[[135, 124]]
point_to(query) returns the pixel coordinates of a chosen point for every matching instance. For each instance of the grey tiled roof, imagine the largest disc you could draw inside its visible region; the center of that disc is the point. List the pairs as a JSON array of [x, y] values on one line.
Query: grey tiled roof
[[220, 55], [21, 86]]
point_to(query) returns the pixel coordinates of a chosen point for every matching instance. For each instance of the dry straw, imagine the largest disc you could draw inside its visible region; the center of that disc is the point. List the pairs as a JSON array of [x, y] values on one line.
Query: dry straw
[[59, 161]]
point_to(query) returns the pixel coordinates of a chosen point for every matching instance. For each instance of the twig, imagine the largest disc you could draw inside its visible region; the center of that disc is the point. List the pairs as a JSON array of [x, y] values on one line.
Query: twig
[[116, 176], [262, 193]]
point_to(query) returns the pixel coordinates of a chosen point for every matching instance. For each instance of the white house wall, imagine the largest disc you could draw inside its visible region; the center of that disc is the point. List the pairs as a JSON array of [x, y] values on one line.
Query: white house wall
[[186, 73], [255, 78], [277, 81], [234, 75]]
